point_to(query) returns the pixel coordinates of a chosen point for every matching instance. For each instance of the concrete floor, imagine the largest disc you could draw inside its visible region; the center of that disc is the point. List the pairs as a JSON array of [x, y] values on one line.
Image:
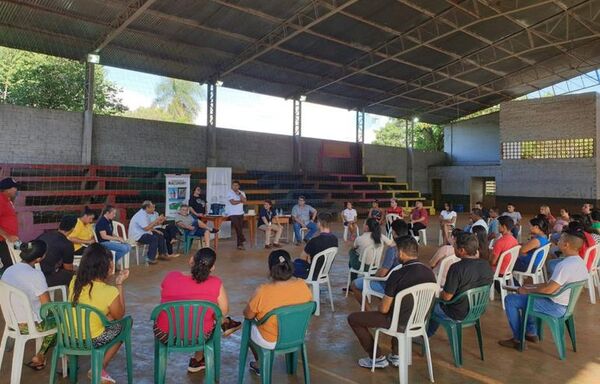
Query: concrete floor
[[333, 349]]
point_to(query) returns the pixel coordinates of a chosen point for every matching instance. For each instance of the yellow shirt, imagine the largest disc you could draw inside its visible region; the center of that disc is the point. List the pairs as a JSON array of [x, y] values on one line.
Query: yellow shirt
[[274, 295], [82, 231], [102, 297]]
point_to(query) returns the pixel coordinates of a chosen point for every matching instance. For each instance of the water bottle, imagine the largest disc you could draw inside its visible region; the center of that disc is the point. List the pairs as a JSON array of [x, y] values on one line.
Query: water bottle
[[17, 245]]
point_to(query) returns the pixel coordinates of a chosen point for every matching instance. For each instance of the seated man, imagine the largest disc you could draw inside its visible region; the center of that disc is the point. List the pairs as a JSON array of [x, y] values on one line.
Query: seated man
[[505, 242], [83, 233], [419, 218], [515, 216], [267, 222], [184, 221], [493, 229], [317, 244], [570, 270], [304, 216], [57, 266], [141, 229], [412, 273], [476, 219], [470, 272], [390, 261]]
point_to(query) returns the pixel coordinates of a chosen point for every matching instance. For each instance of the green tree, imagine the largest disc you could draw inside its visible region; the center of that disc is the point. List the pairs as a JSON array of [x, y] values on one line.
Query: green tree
[[151, 113], [179, 98], [428, 137], [42, 81]]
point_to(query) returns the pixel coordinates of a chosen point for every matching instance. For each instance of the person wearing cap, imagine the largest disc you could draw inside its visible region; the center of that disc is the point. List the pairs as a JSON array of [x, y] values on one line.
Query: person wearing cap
[[57, 266], [83, 233], [9, 226]]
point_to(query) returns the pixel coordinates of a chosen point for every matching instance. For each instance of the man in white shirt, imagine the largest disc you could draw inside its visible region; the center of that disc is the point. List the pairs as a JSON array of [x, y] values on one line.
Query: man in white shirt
[[477, 219], [570, 270], [141, 229], [234, 208]]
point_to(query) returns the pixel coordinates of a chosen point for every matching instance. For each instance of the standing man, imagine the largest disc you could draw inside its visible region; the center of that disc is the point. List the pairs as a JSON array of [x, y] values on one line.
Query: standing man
[[9, 226], [304, 217], [234, 208]]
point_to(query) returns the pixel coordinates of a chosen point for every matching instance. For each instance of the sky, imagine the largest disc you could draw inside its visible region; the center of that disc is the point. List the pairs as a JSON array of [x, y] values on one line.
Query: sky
[[253, 112]]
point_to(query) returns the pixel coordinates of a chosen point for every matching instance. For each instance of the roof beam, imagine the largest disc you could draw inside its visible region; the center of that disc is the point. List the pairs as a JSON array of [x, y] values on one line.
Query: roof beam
[[307, 17], [133, 10]]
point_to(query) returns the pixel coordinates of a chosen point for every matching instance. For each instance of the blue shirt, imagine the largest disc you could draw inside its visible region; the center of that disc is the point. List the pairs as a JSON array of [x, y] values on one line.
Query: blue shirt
[[493, 227], [390, 261], [103, 224], [303, 213], [527, 258], [269, 215]]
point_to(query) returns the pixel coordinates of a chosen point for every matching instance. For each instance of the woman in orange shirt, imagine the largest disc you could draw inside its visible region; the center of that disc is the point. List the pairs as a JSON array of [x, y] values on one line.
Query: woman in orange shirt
[[282, 289]]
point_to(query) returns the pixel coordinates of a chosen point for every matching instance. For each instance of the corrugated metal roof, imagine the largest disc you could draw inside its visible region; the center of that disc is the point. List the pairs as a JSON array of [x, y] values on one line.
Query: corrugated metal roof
[[435, 59]]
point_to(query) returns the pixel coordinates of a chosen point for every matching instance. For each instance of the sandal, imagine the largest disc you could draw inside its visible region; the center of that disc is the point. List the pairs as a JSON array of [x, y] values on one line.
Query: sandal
[[36, 366]]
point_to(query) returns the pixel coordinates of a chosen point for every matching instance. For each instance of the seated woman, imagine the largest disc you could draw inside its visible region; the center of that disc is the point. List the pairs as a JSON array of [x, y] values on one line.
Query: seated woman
[[562, 221], [199, 284], [83, 233], [283, 289], [482, 239], [269, 223], [90, 287], [371, 236], [444, 251], [349, 216], [25, 277], [539, 238], [376, 213], [447, 222]]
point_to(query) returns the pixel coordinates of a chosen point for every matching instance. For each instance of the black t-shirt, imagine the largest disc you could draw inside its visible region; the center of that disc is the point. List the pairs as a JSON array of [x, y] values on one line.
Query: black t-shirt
[[269, 215], [412, 273], [103, 224], [198, 204], [319, 244], [462, 276], [59, 251]]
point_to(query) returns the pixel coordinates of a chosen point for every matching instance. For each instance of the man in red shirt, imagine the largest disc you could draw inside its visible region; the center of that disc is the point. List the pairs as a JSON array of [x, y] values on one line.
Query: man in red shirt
[[9, 226], [419, 218], [504, 243]]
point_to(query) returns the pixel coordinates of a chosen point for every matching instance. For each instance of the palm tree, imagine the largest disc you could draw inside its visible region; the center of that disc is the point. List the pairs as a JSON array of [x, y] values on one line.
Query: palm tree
[[179, 98]]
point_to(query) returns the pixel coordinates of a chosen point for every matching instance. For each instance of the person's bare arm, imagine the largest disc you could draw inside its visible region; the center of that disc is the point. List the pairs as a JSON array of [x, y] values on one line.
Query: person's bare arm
[[382, 272], [530, 245], [386, 304], [68, 267], [548, 288], [223, 301], [116, 310], [44, 298], [11, 238], [181, 224], [446, 296], [77, 240], [304, 256], [106, 236]]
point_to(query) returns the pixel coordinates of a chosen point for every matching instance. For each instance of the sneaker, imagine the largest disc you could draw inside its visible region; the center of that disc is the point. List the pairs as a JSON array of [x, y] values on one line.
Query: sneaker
[[151, 262], [254, 368], [367, 362], [510, 343], [532, 338], [276, 245], [104, 379], [393, 359], [174, 255], [196, 365], [229, 326], [268, 246], [163, 257]]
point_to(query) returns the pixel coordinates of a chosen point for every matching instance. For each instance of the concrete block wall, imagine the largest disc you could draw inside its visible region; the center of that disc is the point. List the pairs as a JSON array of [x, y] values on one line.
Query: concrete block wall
[[29, 135], [474, 141]]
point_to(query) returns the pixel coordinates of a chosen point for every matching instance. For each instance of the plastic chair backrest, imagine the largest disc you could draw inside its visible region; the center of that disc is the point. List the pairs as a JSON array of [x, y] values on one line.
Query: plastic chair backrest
[[592, 253], [444, 267], [423, 296], [478, 301], [292, 322], [545, 250], [371, 253], [73, 323], [15, 254], [329, 256], [8, 295], [576, 289], [186, 321], [513, 253], [391, 217], [120, 229], [95, 234]]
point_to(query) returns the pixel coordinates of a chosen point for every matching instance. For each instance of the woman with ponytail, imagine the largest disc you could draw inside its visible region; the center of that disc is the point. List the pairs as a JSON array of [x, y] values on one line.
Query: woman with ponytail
[[199, 284], [371, 236], [32, 282], [282, 289]]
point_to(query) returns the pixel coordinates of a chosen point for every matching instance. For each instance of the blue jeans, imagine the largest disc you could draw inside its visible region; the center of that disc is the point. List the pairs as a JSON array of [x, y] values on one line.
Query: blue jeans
[[120, 248], [377, 286], [155, 242], [516, 304], [312, 229], [434, 325]]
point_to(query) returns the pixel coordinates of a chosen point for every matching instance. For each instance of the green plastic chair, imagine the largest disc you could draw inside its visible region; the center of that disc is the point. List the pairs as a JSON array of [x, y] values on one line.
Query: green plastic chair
[[478, 301], [292, 323], [186, 334], [77, 341], [188, 240], [556, 324]]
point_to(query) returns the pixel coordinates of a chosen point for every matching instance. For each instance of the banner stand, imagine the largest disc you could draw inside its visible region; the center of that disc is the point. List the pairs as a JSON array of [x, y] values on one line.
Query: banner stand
[[177, 192]]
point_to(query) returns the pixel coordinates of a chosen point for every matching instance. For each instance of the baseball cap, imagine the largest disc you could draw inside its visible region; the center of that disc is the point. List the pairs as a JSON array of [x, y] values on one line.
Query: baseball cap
[[8, 183]]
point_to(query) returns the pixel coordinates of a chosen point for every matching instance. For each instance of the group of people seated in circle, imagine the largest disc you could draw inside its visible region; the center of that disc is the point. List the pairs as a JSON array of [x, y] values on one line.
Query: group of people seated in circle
[[477, 248]]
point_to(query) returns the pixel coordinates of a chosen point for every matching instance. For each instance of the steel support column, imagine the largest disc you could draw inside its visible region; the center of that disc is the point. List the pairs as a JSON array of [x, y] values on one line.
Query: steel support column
[[211, 124], [297, 134], [88, 115], [360, 140], [409, 153]]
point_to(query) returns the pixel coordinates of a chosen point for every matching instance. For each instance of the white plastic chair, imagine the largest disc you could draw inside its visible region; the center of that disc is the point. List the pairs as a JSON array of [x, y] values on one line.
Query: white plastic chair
[[9, 293], [389, 219], [593, 278], [423, 296], [444, 267], [537, 275], [367, 291], [120, 230], [322, 277], [507, 278], [371, 252], [422, 238], [346, 231], [15, 254], [303, 232], [491, 243]]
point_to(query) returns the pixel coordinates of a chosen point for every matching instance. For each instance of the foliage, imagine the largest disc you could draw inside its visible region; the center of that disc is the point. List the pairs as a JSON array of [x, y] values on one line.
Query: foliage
[[486, 111], [176, 101], [42, 81], [427, 137]]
